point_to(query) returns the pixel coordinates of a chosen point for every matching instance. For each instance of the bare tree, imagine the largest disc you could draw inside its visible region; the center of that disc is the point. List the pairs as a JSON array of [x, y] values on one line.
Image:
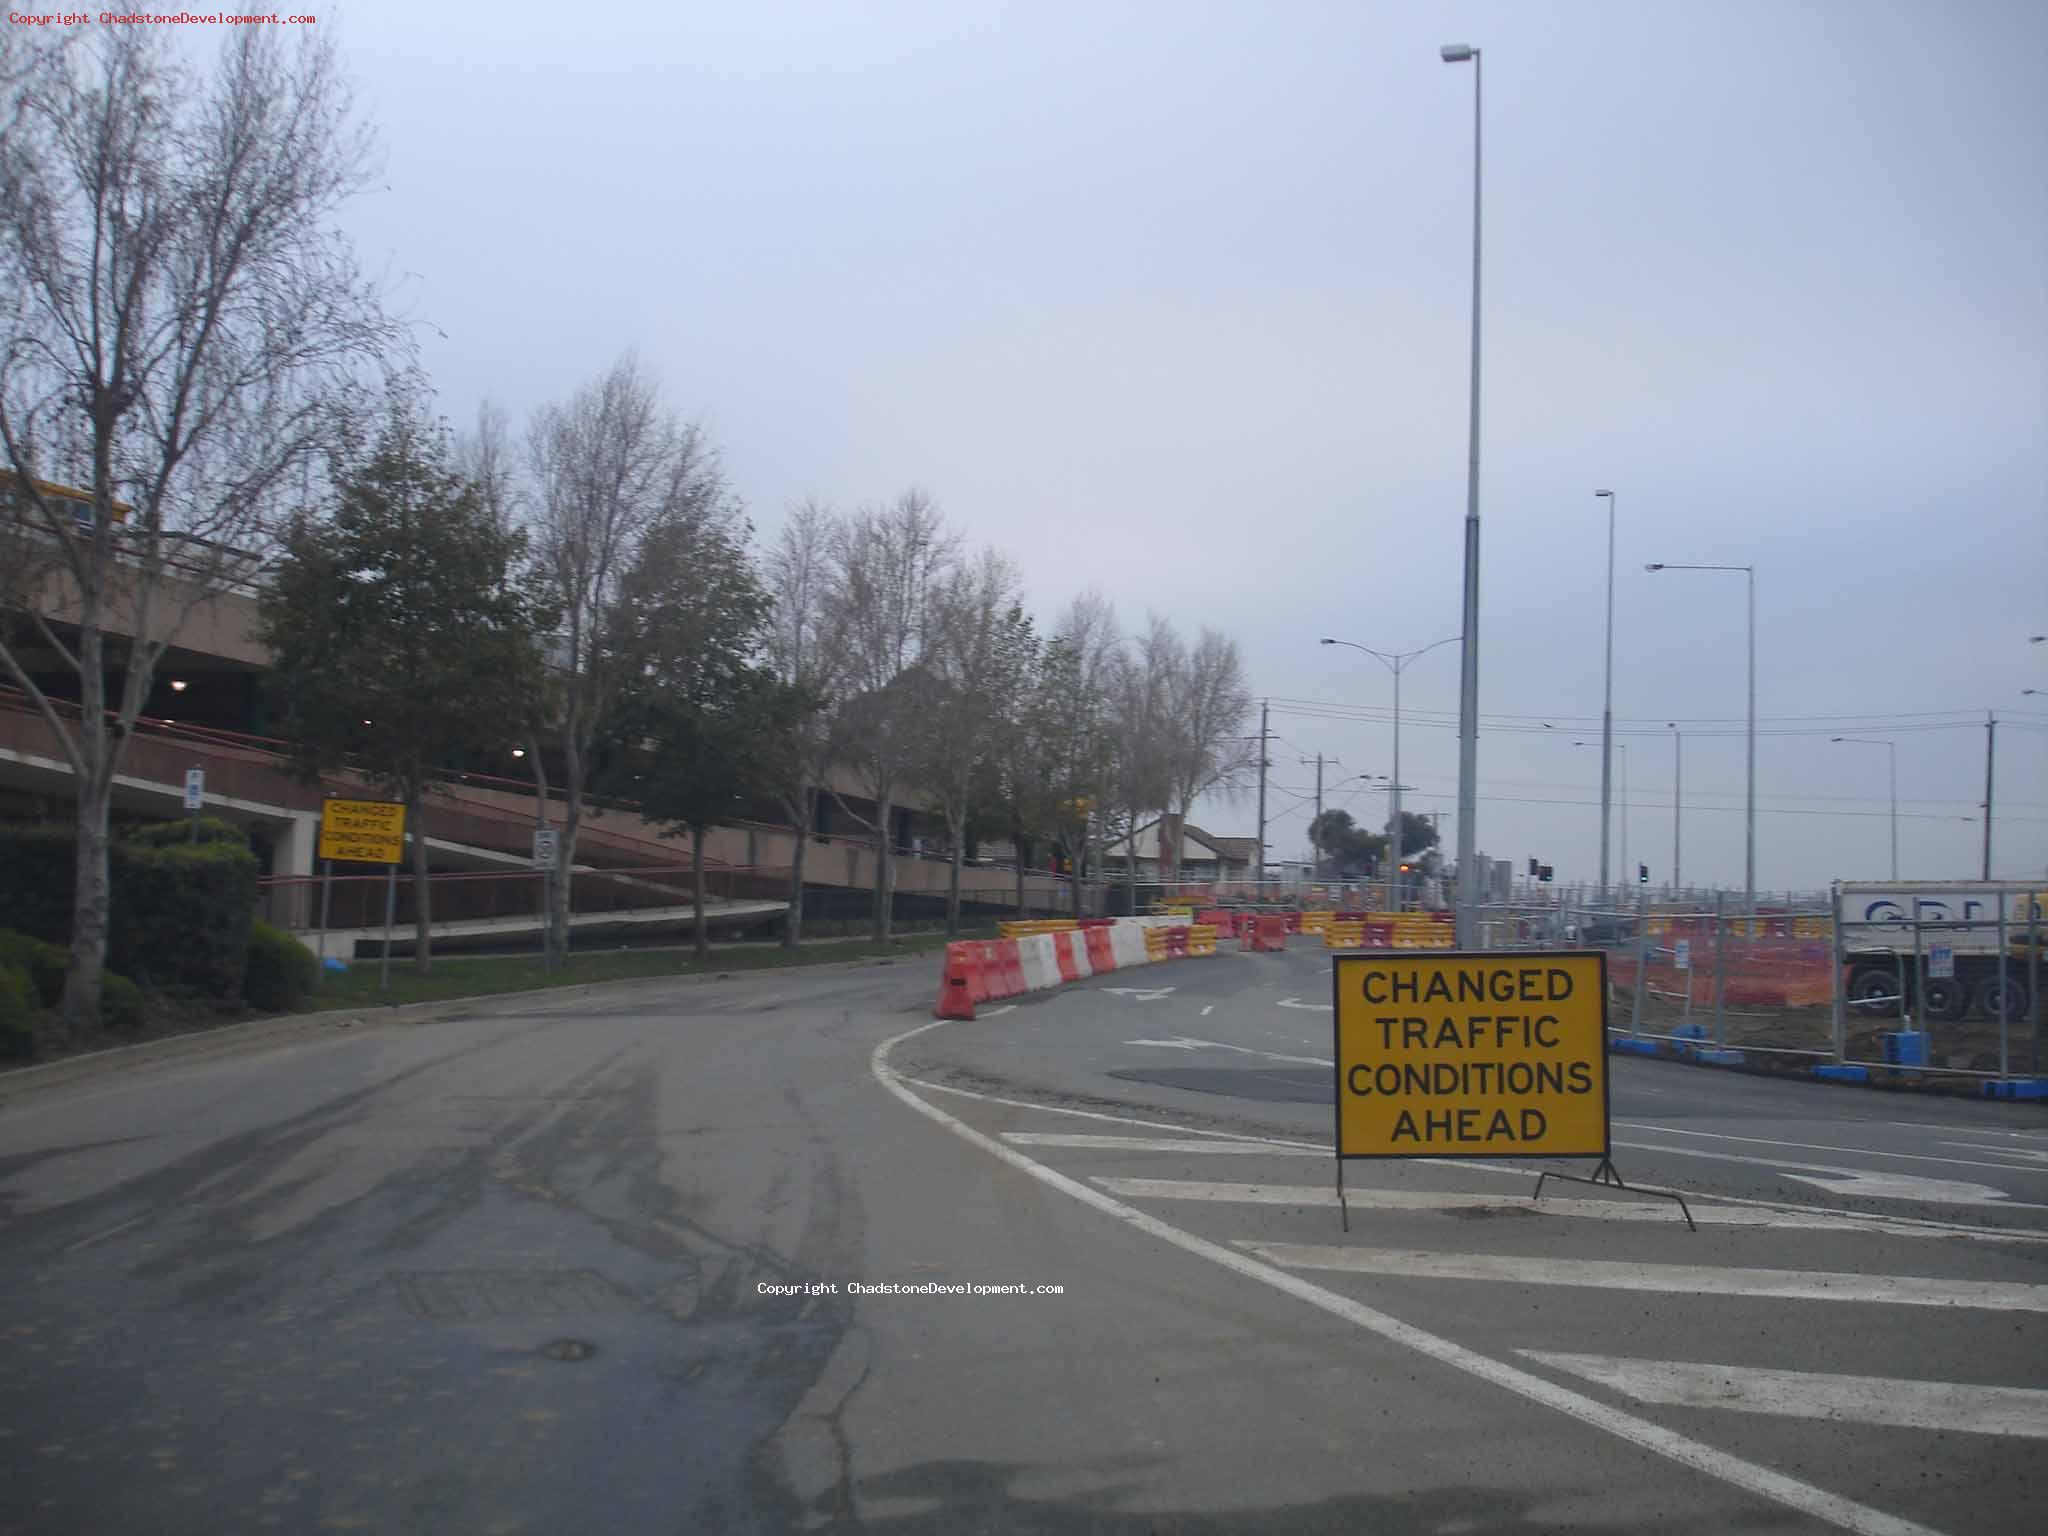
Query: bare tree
[[1141, 686], [1207, 747], [181, 314], [980, 649], [609, 468], [1073, 740], [887, 564], [805, 655]]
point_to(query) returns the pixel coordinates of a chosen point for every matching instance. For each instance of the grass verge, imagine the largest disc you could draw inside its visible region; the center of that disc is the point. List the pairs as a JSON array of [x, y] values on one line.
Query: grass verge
[[481, 975]]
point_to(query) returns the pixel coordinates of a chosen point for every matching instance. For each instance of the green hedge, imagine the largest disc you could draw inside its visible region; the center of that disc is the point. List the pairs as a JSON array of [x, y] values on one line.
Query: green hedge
[[280, 971], [180, 911], [17, 1014], [121, 1003], [43, 964], [170, 834]]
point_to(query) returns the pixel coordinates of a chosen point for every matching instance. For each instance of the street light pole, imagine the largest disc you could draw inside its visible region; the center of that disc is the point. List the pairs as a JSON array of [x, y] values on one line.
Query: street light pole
[[1607, 703], [1677, 798], [1395, 662], [1892, 771], [1468, 682], [1749, 817], [1604, 754]]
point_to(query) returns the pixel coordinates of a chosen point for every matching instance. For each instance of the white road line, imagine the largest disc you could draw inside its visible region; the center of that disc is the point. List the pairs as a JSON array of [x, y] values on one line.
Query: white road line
[[1151, 1144], [1851, 1220], [1675, 1279], [996, 1012], [1859, 1181], [2032, 1153], [1816, 1146], [1207, 1009], [1942, 1405], [1429, 1201], [1750, 1476], [1186, 1043], [1295, 1002]]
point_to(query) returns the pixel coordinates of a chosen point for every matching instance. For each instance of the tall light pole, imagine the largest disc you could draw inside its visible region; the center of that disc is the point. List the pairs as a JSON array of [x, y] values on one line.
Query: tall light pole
[[1749, 853], [1468, 670], [1607, 701], [1604, 755], [1395, 662], [1892, 765], [1677, 798]]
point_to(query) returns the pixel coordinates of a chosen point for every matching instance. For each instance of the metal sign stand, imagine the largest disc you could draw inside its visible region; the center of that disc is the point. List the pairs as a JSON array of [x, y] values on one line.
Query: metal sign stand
[[1606, 1176]]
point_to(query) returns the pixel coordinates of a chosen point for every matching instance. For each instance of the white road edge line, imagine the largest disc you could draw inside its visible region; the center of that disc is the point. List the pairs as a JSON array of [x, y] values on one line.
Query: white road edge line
[[1851, 1221], [1892, 1402], [1845, 1514], [1151, 1144], [1816, 1146]]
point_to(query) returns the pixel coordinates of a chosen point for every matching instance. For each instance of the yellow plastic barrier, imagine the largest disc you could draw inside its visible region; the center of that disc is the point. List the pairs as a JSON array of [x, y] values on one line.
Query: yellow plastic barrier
[[1316, 922], [1155, 943], [1024, 930], [1201, 939], [1165, 909], [1344, 935]]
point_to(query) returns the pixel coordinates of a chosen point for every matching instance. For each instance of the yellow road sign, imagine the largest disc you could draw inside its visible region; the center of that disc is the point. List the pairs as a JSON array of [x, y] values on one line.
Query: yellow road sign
[[1471, 1054], [363, 831]]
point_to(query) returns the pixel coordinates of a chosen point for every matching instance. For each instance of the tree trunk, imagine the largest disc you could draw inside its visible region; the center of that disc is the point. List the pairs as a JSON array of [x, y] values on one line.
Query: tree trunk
[[703, 941], [958, 834], [793, 923], [91, 900], [565, 850], [1131, 866], [422, 900], [92, 895], [1017, 849], [885, 865]]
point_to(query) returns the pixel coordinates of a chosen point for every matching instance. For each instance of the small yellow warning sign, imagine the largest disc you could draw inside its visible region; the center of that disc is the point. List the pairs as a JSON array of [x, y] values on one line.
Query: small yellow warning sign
[[1488, 1054], [363, 831]]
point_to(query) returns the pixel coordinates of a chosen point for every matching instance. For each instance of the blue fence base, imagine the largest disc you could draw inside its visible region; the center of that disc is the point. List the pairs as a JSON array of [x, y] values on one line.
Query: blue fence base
[[2023, 1088], [1843, 1073]]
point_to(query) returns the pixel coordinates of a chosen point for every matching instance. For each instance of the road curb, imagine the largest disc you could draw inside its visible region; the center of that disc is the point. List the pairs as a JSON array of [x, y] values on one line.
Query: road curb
[[229, 1039]]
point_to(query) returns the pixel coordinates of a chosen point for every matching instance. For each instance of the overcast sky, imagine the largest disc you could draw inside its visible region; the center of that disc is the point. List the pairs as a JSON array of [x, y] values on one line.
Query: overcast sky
[[1173, 299]]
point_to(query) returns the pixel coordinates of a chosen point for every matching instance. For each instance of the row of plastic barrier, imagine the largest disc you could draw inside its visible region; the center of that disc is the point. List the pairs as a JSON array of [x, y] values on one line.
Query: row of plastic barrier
[[982, 970]]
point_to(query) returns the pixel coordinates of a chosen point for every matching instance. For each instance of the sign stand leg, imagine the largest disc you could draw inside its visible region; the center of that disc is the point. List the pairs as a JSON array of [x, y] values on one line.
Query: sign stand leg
[[1606, 1176], [1344, 1211]]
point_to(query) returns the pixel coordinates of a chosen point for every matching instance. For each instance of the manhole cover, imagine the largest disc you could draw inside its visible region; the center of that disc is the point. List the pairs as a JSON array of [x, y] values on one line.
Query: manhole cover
[[569, 1349]]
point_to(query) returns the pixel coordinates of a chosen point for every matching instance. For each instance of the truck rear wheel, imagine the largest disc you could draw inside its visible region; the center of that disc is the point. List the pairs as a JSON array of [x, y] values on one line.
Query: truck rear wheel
[[2004, 997], [1869, 987], [1945, 999]]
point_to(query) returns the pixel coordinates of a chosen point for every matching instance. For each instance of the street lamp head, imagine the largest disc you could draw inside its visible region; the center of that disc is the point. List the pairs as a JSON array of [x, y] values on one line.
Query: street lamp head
[[1603, 493], [1457, 53], [1838, 738], [1326, 641], [1657, 565]]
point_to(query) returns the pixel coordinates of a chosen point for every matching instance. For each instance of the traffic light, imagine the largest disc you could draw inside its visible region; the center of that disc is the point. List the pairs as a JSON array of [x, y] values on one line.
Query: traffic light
[[1543, 873], [1535, 869], [1642, 874]]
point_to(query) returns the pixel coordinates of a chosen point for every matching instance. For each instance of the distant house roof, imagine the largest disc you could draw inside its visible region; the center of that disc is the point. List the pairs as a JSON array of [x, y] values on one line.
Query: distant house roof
[[1198, 845], [1238, 850]]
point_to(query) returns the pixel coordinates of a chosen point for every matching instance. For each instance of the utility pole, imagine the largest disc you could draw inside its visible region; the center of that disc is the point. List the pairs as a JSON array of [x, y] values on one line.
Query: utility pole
[[1260, 868], [1990, 743], [1314, 848]]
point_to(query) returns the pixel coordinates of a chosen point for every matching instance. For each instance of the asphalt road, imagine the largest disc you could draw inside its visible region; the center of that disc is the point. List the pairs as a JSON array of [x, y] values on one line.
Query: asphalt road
[[549, 1267]]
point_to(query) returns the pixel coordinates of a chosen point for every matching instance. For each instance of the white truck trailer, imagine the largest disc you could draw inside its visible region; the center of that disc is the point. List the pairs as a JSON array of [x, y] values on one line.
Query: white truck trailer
[[1938, 944]]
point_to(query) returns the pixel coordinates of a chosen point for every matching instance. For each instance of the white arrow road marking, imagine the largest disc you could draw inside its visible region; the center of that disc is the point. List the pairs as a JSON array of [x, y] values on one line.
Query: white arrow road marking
[[1429, 1202], [1943, 1405], [1207, 1009], [1675, 1279], [1816, 1146], [1859, 1181], [1140, 994], [1151, 1144], [1750, 1476], [1295, 1002], [1187, 1043]]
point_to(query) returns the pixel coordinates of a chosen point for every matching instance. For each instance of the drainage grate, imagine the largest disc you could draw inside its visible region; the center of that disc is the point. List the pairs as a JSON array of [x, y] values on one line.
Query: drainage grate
[[471, 1295]]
